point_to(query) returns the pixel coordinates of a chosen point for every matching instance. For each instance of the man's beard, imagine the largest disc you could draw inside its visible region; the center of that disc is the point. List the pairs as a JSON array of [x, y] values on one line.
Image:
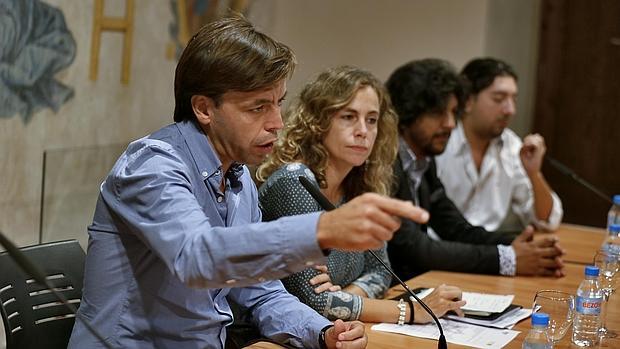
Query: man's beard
[[433, 148], [497, 130]]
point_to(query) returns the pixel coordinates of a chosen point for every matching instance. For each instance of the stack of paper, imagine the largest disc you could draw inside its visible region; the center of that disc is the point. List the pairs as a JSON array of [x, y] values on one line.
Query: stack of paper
[[507, 320], [484, 304], [455, 332], [482, 309]]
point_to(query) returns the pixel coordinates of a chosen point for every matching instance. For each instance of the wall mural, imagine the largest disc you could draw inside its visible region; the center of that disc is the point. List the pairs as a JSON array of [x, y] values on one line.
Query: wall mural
[[103, 23], [35, 44], [190, 15]]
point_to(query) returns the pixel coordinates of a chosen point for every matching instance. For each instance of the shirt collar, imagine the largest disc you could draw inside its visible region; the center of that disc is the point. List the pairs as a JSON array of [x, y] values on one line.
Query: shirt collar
[[458, 139], [461, 146], [205, 157], [500, 141], [408, 158]]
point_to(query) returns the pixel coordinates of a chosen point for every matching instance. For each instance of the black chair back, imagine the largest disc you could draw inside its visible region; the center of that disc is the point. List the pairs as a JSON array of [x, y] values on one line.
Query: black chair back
[[32, 315]]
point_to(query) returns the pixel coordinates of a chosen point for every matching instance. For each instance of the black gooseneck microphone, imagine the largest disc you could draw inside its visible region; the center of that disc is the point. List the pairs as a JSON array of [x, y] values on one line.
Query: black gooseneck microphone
[[29, 267], [328, 206], [570, 173]]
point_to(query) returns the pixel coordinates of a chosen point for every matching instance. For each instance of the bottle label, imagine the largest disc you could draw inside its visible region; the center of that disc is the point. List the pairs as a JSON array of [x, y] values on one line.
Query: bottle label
[[613, 217], [613, 248], [589, 306]]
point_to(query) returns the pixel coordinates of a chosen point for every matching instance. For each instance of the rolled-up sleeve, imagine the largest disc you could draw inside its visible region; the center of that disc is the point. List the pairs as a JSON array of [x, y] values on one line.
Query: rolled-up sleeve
[[555, 217], [375, 279], [150, 193], [524, 208], [332, 305]]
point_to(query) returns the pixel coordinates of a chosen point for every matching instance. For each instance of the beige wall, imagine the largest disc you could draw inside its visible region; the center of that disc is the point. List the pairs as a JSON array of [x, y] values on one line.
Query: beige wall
[[376, 35], [381, 35], [512, 34]]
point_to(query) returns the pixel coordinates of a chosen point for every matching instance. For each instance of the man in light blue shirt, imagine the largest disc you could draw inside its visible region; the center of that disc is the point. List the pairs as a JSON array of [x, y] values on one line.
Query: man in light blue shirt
[[177, 232]]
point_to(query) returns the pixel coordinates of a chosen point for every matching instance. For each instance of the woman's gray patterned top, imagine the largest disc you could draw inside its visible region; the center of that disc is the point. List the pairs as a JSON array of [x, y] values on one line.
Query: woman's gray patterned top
[[282, 195]]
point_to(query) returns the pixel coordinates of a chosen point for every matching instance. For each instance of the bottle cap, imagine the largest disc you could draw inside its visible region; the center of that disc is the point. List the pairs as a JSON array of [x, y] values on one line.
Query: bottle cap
[[614, 228], [616, 199], [591, 270], [540, 319]]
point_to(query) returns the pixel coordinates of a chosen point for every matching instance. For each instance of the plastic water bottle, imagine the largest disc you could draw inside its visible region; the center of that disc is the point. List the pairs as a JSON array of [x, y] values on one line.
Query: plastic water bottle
[[588, 310], [537, 338], [613, 217], [612, 242]]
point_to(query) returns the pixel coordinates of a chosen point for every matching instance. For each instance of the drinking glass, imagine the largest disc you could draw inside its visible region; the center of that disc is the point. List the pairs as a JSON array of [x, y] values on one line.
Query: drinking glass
[[608, 263], [561, 309]]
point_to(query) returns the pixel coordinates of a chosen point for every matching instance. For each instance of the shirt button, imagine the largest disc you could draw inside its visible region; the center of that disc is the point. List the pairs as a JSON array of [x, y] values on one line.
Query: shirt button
[[231, 281], [219, 199], [205, 173]]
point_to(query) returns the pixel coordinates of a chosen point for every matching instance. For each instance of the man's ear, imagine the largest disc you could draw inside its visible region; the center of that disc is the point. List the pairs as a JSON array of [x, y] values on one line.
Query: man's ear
[[469, 103], [203, 108]]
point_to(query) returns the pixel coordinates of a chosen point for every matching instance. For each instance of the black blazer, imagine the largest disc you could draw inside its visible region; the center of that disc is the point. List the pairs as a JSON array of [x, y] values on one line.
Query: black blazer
[[463, 248]]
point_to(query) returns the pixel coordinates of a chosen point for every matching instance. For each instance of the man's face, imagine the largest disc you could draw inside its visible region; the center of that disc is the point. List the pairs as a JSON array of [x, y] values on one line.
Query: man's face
[[429, 133], [488, 113], [242, 128]]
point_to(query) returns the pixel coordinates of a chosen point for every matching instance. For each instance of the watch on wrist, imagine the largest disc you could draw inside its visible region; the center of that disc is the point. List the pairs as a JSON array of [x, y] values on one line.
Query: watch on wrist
[[322, 343]]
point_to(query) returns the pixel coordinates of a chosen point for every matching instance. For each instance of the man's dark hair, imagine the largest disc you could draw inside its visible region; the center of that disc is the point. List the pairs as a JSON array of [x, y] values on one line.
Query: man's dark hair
[[228, 55], [424, 86], [481, 72]]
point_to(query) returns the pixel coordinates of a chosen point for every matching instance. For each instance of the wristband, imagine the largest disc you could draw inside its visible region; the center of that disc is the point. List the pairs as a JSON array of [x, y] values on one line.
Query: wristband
[[322, 333], [411, 310]]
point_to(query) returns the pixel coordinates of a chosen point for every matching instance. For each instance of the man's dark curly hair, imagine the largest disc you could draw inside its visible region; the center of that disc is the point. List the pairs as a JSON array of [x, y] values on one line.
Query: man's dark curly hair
[[424, 86], [481, 72]]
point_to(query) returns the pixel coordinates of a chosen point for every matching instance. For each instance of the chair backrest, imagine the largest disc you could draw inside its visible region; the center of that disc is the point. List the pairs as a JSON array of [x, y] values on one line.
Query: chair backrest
[[32, 315]]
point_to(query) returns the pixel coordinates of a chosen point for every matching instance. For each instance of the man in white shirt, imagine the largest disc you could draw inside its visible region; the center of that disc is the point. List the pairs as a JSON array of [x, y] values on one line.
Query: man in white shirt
[[493, 177]]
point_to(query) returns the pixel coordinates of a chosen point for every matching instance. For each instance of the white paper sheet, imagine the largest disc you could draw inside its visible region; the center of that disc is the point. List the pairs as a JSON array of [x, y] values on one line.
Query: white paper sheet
[[485, 302], [455, 332], [508, 320], [424, 293]]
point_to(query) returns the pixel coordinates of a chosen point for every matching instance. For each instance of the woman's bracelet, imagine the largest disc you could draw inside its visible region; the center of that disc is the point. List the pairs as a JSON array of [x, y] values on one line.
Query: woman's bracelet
[[402, 309], [411, 311]]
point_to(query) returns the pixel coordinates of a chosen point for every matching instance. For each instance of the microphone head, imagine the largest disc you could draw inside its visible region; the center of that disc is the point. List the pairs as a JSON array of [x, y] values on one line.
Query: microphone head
[[316, 194]]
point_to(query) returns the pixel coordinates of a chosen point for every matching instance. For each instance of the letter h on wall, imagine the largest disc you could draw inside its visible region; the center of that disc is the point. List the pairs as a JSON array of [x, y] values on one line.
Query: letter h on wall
[[120, 24]]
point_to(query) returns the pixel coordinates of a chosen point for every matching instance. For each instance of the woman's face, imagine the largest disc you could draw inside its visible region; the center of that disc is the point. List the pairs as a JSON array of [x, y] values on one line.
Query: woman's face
[[353, 130]]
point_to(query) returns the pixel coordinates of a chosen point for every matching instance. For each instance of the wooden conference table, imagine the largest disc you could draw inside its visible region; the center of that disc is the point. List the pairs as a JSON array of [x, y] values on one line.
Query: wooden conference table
[[580, 243], [524, 289]]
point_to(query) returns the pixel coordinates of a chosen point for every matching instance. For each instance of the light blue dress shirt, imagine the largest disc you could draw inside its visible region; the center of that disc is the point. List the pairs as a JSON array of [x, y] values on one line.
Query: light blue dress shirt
[[167, 247]]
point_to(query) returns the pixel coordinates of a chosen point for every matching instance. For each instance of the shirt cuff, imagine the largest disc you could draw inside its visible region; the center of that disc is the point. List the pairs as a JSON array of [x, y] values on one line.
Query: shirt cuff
[[315, 326], [555, 217], [372, 284], [507, 260], [343, 305]]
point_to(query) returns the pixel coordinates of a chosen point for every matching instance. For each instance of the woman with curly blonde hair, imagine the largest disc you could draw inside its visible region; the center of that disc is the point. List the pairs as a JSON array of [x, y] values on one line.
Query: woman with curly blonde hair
[[342, 135], [308, 123]]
